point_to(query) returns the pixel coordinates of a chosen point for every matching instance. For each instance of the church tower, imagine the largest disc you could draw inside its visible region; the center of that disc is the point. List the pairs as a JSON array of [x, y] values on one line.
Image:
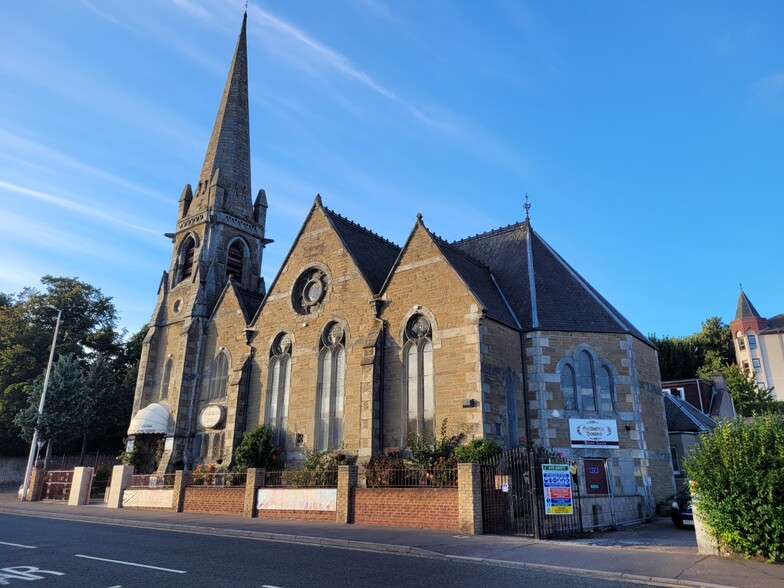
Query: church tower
[[219, 238]]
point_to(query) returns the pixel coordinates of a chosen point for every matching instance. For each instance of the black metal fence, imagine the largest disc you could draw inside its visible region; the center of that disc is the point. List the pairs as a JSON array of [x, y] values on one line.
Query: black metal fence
[[515, 499]]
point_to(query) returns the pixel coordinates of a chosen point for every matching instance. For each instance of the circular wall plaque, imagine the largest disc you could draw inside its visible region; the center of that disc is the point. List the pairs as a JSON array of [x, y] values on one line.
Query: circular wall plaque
[[212, 416]]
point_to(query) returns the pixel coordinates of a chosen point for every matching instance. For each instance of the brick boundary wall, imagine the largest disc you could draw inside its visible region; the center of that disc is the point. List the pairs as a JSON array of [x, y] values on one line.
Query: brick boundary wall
[[419, 508], [327, 516], [212, 500]]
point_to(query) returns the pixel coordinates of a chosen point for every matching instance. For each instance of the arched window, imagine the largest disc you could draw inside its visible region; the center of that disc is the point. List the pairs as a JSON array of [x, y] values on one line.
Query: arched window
[[167, 370], [604, 383], [419, 409], [234, 260], [186, 257], [585, 381], [219, 375], [278, 387], [330, 395], [568, 387]]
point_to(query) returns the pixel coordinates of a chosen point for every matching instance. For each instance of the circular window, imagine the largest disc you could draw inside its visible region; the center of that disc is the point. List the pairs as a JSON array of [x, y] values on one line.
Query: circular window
[[309, 290], [333, 334], [418, 327], [177, 306]]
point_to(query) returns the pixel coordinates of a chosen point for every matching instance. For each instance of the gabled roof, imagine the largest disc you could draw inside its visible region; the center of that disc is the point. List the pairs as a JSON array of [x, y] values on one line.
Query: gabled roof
[[248, 301], [775, 325], [479, 279], [373, 255], [543, 290], [745, 308], [682, 417]]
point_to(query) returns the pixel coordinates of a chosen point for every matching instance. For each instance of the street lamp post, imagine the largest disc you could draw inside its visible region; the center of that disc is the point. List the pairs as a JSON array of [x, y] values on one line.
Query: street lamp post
[[33, 444]]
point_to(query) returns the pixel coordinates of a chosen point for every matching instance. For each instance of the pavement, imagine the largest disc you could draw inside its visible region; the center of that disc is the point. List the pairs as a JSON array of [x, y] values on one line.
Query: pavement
[[652, 553]]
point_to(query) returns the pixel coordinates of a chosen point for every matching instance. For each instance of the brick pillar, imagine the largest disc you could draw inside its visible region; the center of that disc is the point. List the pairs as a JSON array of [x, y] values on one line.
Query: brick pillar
[[35, 489], [347, 481], [181, 480], [254, 481], [469, 498]]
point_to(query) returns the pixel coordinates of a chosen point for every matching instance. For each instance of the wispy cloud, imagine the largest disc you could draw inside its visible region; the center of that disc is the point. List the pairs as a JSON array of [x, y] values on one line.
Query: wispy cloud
[[341, 63], [768, 93], [82, 209]]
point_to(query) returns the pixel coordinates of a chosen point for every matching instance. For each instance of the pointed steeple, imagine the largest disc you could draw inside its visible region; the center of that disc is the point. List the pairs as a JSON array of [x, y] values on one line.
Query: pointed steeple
[[745, 308], [229, 147]]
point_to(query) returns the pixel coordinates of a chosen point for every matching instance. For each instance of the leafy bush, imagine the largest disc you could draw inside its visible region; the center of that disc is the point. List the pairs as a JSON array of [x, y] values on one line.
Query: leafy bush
[[321, 470], [425, 454], [737, 478], [478, 450], [258, 451]]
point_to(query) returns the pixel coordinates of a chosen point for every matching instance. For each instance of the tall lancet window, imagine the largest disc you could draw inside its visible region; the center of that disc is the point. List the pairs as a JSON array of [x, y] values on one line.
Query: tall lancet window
[[585, 381], [234, 260], [419, 390], [331, 393], [185, 259], [278, 388], [167, 370], [219, 376]]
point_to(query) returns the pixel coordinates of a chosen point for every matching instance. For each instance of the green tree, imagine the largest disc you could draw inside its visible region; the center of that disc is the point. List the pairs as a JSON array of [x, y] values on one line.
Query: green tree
[[700, 353], [68, 409], [737, 474], [87, 332], [745, 391]]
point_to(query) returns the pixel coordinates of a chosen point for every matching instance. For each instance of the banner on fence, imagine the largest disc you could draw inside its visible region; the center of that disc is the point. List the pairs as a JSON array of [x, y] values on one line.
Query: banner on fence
[[144, 498], [557, 489], [297, 499], [602, 434]]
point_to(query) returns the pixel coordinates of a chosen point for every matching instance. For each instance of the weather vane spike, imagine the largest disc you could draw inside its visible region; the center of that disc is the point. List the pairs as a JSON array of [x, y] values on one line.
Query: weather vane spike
[[527, 207], [741, 287]]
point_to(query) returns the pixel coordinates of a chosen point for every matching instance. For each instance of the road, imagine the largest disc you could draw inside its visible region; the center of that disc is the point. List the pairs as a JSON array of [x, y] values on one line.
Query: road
[[62, 553]]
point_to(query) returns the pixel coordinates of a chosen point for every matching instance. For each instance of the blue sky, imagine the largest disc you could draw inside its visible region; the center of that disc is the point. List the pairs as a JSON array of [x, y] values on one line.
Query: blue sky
[[649, 135]]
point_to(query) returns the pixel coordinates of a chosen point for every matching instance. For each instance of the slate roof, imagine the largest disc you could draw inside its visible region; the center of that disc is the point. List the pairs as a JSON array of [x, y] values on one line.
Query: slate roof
[[682, 417], [560, 300], [745, 308], [373, 254], [478, 277], [249, 302], [775, 325]]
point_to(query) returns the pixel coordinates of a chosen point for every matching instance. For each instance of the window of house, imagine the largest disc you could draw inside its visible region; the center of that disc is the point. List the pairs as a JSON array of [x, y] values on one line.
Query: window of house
[[584, 387], [745, 365], [676, 463], [186, 257], [219, 375], [604, 385], [752, 342], [234, 260], [741, 342], [568, 387], [756, 363], [278, 388], [167, 369], [330, 396], [585, 382], [419, 393]]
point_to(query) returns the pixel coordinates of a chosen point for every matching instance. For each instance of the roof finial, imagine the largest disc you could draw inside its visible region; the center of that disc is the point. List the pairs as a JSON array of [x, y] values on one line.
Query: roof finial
[[527, 207], [246, 5], [741, 287]]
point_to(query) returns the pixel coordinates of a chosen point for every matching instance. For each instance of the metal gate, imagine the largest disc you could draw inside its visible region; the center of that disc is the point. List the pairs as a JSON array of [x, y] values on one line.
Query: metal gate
[[57, 485], [513, 498]]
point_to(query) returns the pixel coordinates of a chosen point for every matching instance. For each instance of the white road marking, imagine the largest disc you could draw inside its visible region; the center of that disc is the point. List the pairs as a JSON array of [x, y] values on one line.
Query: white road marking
[[18, 545], [130, 563], [269, 586]]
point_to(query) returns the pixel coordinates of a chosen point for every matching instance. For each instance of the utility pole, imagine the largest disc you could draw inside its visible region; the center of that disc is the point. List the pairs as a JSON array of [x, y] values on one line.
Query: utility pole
[[33, 444]]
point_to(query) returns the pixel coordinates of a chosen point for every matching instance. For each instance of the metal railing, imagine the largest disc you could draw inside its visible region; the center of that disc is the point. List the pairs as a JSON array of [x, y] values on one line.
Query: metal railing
[[301, 478], [152, 481], [433, 477], [219, 479]]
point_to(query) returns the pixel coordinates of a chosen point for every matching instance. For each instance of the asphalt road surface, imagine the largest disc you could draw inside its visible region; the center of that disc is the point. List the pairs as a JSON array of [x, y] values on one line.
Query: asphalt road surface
[[51, 552]]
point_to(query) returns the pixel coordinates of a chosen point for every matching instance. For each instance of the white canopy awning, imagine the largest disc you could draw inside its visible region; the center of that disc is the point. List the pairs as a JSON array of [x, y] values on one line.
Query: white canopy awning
[[153, 418]]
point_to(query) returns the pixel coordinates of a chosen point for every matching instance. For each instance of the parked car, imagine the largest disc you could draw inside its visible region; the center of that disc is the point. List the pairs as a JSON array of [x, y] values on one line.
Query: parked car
[[681, 511]]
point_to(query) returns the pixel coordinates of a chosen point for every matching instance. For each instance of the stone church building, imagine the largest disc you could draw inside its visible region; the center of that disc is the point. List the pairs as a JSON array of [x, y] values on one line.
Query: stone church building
[[358, 343]]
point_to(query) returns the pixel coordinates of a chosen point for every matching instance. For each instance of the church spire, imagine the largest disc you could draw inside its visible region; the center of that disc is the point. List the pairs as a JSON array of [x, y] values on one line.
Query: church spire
[[745, 308], [229, 147]]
